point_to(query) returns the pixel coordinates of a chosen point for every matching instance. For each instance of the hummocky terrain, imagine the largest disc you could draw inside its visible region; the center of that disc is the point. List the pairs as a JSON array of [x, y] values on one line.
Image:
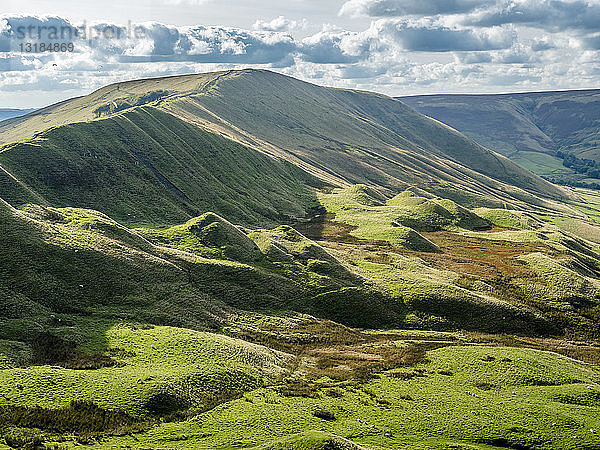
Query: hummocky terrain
[[244, 260], [554, 134]]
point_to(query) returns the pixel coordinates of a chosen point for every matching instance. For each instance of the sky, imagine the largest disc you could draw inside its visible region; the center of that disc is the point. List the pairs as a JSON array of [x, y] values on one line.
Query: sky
[[396, 47]]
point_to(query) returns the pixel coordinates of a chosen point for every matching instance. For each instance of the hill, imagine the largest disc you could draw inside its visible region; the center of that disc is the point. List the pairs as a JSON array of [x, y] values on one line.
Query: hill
[[149, 166], [245, 260], [194, 335], [339, 137], [536, 130]]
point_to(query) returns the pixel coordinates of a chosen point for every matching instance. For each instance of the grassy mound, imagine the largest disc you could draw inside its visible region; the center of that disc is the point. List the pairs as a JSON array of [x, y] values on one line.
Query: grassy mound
[[376, 223], [422, 214], [158, 370], [504, 218], [559, 282], [399, 220], [311, 441], [361, 194], [208, 235]]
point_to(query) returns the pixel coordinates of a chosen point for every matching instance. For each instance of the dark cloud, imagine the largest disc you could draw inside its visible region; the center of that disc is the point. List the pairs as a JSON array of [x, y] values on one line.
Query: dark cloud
[[22, 29], [151, 42]]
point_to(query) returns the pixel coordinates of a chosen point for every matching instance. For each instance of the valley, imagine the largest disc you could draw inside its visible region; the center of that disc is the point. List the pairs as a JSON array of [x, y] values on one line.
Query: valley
[[245, 260]]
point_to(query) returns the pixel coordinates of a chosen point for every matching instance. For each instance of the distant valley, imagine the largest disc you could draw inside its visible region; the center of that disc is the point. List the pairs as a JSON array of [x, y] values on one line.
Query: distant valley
[[8, 113], [539, 131]]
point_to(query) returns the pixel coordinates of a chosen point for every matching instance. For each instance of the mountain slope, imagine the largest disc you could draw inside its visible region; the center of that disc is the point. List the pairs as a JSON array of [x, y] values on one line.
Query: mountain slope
[[529, 128], [361, 137], [341, 137], [146, 165]]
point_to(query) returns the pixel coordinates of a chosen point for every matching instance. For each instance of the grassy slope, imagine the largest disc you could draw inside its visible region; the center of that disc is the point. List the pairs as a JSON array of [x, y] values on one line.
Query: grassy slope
[[140, 312], [341, 136], [525, 273], [464, 398], [361, 137], [156, 169], [522, 126]]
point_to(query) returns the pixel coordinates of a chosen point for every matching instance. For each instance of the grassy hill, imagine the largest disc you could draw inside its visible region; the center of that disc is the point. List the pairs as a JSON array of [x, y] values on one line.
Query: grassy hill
[[244, 260], [529, 128], [149, 166], [159, 126]]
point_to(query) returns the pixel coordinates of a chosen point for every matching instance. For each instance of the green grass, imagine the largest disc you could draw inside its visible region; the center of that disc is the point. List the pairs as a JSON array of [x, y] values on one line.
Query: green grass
[[504, 218], [138, 344], [560, 283], [189, 369], [465, 396], [528, 128], [209, 236], [157, 169]]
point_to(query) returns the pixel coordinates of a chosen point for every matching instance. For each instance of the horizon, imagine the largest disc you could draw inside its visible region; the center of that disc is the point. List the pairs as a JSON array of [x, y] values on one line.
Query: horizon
[[433, 94], [393, 47]]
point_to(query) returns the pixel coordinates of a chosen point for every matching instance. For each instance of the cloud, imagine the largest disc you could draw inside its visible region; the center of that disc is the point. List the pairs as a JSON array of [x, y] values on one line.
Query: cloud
[[591, 42], [432, 46], [280, 24], [396, 8], [427, 36], [18, 30], [339, 46], [150, 42], [474, 57], [552, 15]]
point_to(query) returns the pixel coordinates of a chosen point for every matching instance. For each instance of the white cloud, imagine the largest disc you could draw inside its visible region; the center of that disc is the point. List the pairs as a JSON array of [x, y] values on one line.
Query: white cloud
[[280, 24], [428, 48]]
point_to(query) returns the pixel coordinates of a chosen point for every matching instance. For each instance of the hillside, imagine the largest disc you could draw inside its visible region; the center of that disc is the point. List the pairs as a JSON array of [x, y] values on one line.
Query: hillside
[[245, 260], [340, 137], [156, 168], [529, 128], [151, 337]]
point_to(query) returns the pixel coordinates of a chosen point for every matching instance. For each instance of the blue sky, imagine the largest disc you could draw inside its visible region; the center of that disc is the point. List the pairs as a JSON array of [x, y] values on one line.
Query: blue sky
[[397, 47]]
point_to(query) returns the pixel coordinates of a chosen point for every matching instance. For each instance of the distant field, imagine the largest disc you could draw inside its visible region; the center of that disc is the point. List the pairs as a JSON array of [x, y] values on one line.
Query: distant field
[[541, 163]]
